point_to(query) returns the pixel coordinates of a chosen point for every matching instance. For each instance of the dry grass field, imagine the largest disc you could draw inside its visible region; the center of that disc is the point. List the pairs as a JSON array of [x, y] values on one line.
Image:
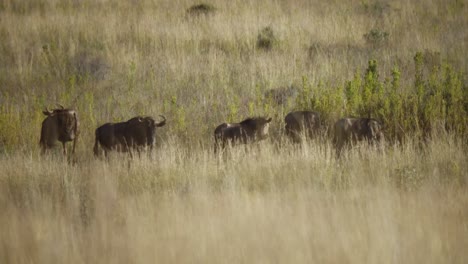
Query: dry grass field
[[273, 202], [299, 205]]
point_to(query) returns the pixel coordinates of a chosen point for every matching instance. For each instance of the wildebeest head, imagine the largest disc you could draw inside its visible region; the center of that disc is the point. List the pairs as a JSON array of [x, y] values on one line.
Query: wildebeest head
[[60, 125], [365, 129], [141, 130]]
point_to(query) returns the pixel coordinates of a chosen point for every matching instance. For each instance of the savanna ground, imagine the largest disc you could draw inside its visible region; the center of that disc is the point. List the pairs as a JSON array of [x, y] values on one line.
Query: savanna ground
[[402, 62]]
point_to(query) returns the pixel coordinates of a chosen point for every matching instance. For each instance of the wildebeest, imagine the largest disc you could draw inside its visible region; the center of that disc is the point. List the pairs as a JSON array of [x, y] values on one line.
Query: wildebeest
[[351, 130], [59, 125], [248, 131], [302, 123], [133, 134]]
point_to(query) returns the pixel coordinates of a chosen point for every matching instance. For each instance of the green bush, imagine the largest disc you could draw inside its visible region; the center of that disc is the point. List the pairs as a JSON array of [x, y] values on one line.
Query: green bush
[[432, 103], [266, 39], [376, 37]]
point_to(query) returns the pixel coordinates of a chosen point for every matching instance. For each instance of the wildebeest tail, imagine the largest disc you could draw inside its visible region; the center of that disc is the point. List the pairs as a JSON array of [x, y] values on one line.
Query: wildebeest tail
[[76, 131], [43, 140], [96, 144], [216, 144]]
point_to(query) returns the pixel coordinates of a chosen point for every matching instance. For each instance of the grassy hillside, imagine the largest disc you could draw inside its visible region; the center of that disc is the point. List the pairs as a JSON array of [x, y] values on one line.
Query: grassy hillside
[[113, 60], [401, 62]]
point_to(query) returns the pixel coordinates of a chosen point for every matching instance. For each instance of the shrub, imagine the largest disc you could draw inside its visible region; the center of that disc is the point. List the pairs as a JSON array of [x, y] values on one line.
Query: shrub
[[377, 8], [281, 95], [88, 65], [266, 39], [376, 37], [431, 59], [201, 9], [430, 102]]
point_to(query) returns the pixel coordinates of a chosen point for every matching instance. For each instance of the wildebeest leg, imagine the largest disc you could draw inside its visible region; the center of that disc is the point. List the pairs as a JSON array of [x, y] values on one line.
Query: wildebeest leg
[[96, 148], [43, 149], [150, 152], [301, 137], [130, 153], [64, 149], [74, 145], [106, 154], [339, 144], [339, 150], [219, 147], [247, 148], [224, 144], [138, 149], [217, 152], [216, 146], [128, 146], [219, 144]]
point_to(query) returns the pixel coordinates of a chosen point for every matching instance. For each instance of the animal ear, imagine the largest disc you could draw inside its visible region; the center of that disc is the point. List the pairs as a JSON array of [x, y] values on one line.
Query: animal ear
[[269, 120]]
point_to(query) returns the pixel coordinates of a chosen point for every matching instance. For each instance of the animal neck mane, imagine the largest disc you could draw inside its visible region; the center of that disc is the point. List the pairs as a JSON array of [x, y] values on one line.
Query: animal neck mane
[[60, 111], [249, 123]]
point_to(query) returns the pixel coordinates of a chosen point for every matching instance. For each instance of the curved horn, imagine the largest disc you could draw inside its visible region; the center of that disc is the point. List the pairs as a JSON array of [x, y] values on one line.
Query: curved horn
[[47, 111], [162, 123], [61, 106]]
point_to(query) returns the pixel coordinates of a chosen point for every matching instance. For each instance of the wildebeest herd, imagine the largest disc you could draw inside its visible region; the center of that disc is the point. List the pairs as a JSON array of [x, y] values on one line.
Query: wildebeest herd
[[138, 133]]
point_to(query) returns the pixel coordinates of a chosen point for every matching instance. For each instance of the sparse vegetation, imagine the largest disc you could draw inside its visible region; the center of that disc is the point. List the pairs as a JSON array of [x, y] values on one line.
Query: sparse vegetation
[[272, 202], [376, 37], [266, 39], [376, 8]]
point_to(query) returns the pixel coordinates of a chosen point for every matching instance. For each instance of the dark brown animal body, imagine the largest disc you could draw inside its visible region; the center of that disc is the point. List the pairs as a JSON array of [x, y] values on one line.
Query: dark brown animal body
[[352, 130], [60, 125], [302, 124], [133, 134], [248, 131]]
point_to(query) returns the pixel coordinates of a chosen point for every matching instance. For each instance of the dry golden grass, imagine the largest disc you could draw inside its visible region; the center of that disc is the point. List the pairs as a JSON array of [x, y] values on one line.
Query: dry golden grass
[[111, 60], [355, 226], [296, 204]]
